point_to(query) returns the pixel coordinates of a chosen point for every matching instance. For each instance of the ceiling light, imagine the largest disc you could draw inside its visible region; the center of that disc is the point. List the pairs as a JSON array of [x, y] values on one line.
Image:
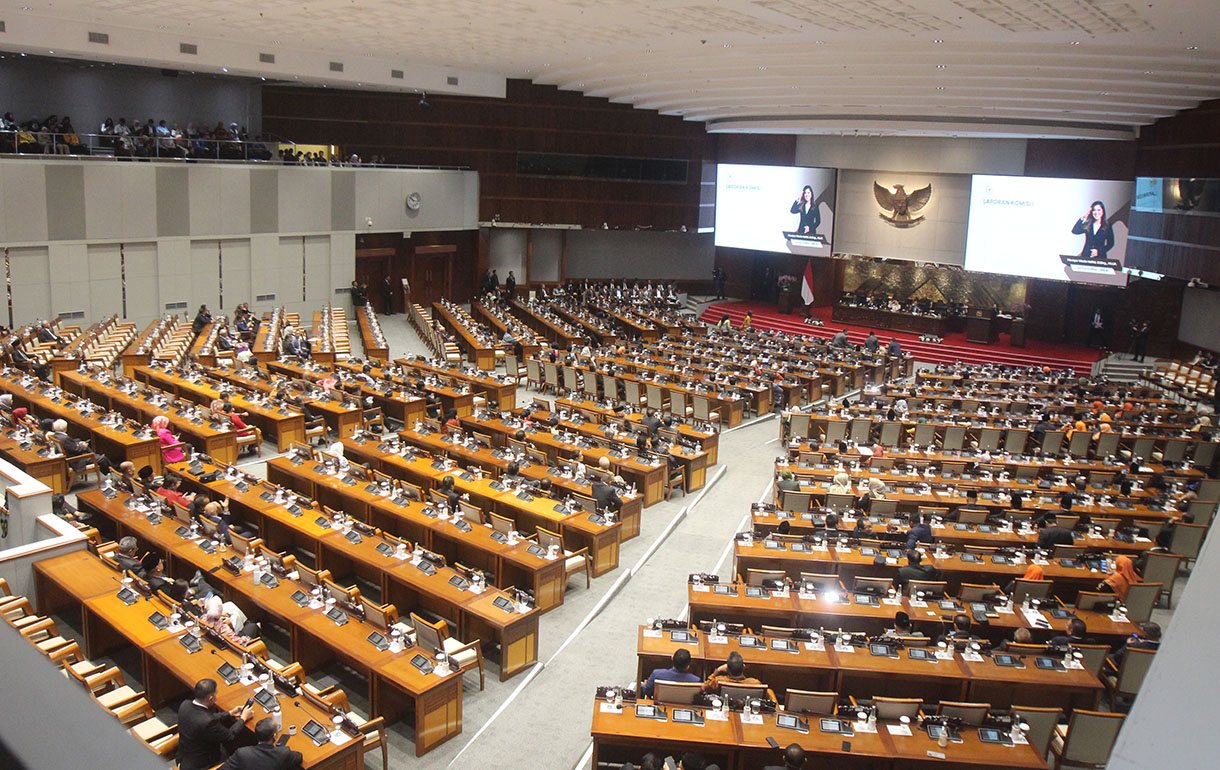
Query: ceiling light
[[1105, 93], [762, 67], [940, 88], [1074, 42], [224, 69], [819, 42], [940, 66], [1148, 72], [50, 52], [1192, 48], [938, 41]]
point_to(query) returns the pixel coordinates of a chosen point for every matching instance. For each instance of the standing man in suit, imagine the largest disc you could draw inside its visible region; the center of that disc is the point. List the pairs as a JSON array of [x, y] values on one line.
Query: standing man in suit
[[794, 758], [203, 729], [606, 496], [264, 755]]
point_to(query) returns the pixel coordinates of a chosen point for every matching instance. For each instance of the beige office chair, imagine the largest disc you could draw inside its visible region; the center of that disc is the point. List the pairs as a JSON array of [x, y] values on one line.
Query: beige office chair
[[973, 592], [755, 577], [823, 582], [1034, 589], [1093, 656], [896, 708], [1125, 680], [1086, 740], [878, 584], [1141, 599], [937, 587], [744, 691], [676, 693], [972, 516], [432, 636], [1162, 568], [1042, 722], [573, 561], [970, 713], [810, 702]]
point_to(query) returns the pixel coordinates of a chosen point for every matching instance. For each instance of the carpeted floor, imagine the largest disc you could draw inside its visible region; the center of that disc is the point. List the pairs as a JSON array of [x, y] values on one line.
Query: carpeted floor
[[953, 348]]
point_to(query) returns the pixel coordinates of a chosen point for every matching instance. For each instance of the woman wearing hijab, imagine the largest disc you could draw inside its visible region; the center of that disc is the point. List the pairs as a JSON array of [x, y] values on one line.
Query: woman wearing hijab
[[169, 451], [1121, 579], [840, 485]]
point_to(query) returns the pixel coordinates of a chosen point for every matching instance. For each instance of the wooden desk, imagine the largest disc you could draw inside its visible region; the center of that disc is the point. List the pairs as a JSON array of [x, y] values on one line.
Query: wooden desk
[[167, 669], [734, 745], [344, 420], [110, 440]]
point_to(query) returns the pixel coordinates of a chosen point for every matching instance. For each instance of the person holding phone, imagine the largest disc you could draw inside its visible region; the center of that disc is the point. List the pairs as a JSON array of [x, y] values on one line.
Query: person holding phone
[[266, 754], [810, 217], [1098, 235], [204, 729]]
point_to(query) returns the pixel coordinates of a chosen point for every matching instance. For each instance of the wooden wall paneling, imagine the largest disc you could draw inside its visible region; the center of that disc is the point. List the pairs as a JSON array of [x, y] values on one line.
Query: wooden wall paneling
[[1080, 159]]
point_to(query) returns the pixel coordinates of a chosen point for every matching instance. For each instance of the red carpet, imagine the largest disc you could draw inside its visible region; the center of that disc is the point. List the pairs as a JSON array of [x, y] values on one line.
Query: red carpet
[[954, 347]]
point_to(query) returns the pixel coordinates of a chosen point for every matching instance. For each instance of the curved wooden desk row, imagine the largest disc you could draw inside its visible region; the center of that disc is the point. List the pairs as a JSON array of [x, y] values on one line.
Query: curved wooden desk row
[[341, 418], [955, 569], [402, 584], [855, 671], [957, 535], [735, 744], [82, 580], [406, 405], [511, 565], [598, 412], [410, 464], [798, 610], [219, 441], [113, 441], [479, 348], [284, 426], [501, 390]]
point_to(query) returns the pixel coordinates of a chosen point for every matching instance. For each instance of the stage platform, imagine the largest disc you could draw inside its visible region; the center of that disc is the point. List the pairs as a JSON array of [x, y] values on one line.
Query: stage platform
[[954, 348]]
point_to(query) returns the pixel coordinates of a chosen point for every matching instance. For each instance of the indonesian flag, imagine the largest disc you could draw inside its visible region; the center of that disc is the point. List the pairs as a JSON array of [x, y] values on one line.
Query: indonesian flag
[[807, 283]]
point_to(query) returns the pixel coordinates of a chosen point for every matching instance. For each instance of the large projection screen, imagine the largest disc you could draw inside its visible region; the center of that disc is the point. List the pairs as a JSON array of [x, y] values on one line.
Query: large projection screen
[[785, 209], [1041, 228]]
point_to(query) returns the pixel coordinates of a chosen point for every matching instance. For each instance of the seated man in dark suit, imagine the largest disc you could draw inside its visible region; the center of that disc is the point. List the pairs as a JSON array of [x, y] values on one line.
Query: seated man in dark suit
[[831, 529], [606, 496], [679, 671], [960, 632], [794, 758], [915, 570], [1076, 630], [126, 557], [264, 755], [1147, 638], [1054, 535], [920, 532], [651, 422], [203, 729]]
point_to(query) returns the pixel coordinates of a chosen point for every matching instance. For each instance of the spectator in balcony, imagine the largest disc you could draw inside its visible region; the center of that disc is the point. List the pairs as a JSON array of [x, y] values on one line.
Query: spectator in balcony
[[256, 150], [67, 133], [27, 139], [107, 132], [8, 133], [123, 144]]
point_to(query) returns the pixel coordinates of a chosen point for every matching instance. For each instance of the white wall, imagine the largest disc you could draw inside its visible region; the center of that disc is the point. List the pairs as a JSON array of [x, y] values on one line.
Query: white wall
[[940, 237], [218, 235], [506, 251], [945, 155], [639, 254]]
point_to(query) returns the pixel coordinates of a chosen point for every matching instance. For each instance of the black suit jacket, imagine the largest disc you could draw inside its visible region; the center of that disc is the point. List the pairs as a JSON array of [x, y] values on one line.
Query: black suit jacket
[[810, 218], [1102, 240], [263, 757], [606, 497], [129, 563], [1053, 536], [202, 734]]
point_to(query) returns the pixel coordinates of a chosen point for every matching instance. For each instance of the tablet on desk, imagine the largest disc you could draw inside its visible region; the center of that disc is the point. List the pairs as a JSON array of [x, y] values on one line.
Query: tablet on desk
[[755, 592], [687, 716], [300, 597], [868, 600], [426, 567], [682, 636], [378, 640], [316, 732], [882, 651], [128, 596], [191, 643], [159, 621], [935, 731], [1049, 664], [336, 614], [458, 582], [265, 699], [1011, 661], [992, 735], [228, 673], [789, 722], [749, 641], [422, 663], [721, 588], [784, 645], [503, 603], [649, 711], [1061, 614], [837, 726], [919, 653], [385, 549]]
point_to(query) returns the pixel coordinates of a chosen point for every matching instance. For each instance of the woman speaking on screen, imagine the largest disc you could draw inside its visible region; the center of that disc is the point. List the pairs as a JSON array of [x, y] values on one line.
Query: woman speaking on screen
[[810, 217], [1098, 235]]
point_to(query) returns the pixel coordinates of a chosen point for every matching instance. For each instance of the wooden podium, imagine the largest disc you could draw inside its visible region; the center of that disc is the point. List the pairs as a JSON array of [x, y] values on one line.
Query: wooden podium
[[1016, 335], [980, 326]]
